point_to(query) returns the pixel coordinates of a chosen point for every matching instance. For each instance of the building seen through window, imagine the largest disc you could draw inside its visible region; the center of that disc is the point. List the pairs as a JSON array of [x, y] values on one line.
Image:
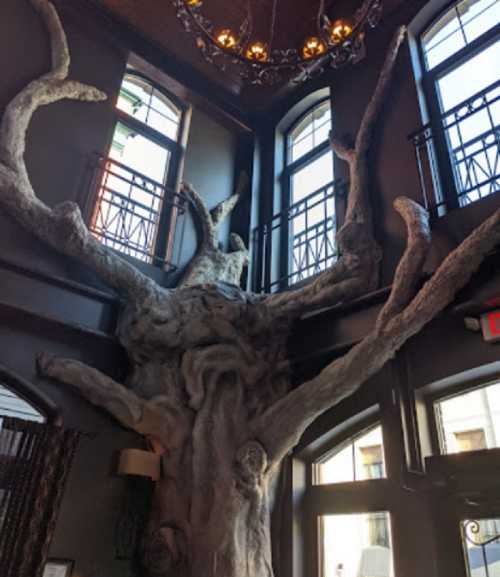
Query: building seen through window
[[461, 52], [354, 544], [360, 459], [135, 200], [469, 421]]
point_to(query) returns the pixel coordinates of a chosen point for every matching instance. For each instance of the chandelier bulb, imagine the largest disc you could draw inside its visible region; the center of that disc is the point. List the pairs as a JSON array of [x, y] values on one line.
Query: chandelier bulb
[[194, 3], [257, 51], [226, 39], [313, 46], [340, 30]]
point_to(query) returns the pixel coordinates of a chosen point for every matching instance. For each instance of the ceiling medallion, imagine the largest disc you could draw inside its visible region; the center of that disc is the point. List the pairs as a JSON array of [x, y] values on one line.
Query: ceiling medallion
[[334, 43]]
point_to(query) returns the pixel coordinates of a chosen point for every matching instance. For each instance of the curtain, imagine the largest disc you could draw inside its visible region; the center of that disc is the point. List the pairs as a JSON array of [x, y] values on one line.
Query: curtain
[[35, 460]]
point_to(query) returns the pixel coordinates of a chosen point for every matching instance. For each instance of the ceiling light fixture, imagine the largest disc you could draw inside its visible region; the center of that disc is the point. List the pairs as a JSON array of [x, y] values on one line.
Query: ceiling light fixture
[[255, 59]]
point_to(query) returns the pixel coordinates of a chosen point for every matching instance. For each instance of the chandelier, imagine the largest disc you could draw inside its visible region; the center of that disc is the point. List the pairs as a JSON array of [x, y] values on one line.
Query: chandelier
[[333, 43]]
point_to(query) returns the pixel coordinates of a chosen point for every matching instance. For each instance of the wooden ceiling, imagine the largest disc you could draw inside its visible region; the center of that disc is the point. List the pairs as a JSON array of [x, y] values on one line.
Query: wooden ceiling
[[156, 20]]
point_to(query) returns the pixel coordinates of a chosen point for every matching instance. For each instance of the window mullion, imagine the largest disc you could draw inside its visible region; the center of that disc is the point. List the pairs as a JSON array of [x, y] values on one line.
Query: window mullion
[[446, 177]]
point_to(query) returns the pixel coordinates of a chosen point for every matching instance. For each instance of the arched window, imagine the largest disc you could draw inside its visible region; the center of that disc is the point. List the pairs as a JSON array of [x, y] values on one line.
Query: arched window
[[460, 53], [12, 405], [136, 199], [309, 194], [353, 519]]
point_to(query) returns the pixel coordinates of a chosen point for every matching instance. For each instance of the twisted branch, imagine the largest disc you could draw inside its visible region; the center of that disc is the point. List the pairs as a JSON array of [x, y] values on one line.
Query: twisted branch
[[62, 227], [211, 265], [280, 428]]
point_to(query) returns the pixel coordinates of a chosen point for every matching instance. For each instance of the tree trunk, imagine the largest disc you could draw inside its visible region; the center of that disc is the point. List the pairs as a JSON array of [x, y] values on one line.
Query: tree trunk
[[211, 516], [210, 366]]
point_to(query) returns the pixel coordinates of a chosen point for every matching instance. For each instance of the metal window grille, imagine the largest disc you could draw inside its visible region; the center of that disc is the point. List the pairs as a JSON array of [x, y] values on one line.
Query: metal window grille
[[128, 210], [297, 242], [475, 161], [481, 541]]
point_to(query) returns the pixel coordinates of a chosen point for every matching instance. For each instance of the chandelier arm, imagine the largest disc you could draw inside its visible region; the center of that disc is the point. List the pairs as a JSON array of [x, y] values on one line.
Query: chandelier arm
[[281, 61], [320, 17], [249, 30], [273, 24]]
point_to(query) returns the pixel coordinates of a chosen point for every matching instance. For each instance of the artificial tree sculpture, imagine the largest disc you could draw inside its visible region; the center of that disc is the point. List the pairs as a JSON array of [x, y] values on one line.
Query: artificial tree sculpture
[[209, 383]]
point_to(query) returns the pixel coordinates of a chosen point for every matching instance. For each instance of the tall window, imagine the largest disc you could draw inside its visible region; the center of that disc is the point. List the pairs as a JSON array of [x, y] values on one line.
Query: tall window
[[309, 191], [461, 55], [136, 200], [353, 544]]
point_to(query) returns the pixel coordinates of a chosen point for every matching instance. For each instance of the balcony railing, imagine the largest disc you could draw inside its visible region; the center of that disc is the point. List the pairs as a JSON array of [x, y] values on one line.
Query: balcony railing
[[131, 212], [297, 242], [469, 133]]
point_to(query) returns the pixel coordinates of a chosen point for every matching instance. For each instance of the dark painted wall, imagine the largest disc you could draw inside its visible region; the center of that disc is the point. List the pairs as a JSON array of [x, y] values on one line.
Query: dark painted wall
[[209, 167]]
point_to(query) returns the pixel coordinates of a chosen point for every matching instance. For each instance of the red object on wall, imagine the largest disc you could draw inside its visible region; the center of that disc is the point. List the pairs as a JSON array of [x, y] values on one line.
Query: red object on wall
[[490, 324]]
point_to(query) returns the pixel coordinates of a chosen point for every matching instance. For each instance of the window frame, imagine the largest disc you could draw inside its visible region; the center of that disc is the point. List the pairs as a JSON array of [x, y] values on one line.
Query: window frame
[[355, 497], [340, 442], [289, 169], [165, 229], [447, 197], [32, 395], [431, 399]]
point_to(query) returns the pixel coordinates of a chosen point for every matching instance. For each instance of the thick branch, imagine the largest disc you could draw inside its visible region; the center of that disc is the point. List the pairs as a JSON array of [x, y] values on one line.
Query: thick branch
[[208, 232], [155, 417], [221, 211], [96, 387], [341, 149], [370, 116], [410, 267], [63, 227], [210, 264], [58, 41], [280, 428]]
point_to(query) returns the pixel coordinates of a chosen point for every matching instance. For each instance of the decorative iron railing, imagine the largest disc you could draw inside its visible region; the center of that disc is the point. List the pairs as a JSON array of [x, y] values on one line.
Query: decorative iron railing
[[481, 539], [470, 136], [297, 242], [131, 212]]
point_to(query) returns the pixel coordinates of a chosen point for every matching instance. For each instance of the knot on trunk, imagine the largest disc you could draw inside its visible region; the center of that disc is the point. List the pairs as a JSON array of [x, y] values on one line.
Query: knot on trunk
[[164, 551], [251, 463]]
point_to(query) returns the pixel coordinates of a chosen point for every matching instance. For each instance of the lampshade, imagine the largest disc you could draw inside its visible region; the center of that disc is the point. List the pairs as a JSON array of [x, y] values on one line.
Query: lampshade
[[139, 463]]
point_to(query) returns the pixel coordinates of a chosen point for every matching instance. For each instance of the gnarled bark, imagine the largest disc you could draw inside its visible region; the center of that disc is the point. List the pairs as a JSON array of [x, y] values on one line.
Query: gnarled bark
[[211, 264], [209, 384]]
